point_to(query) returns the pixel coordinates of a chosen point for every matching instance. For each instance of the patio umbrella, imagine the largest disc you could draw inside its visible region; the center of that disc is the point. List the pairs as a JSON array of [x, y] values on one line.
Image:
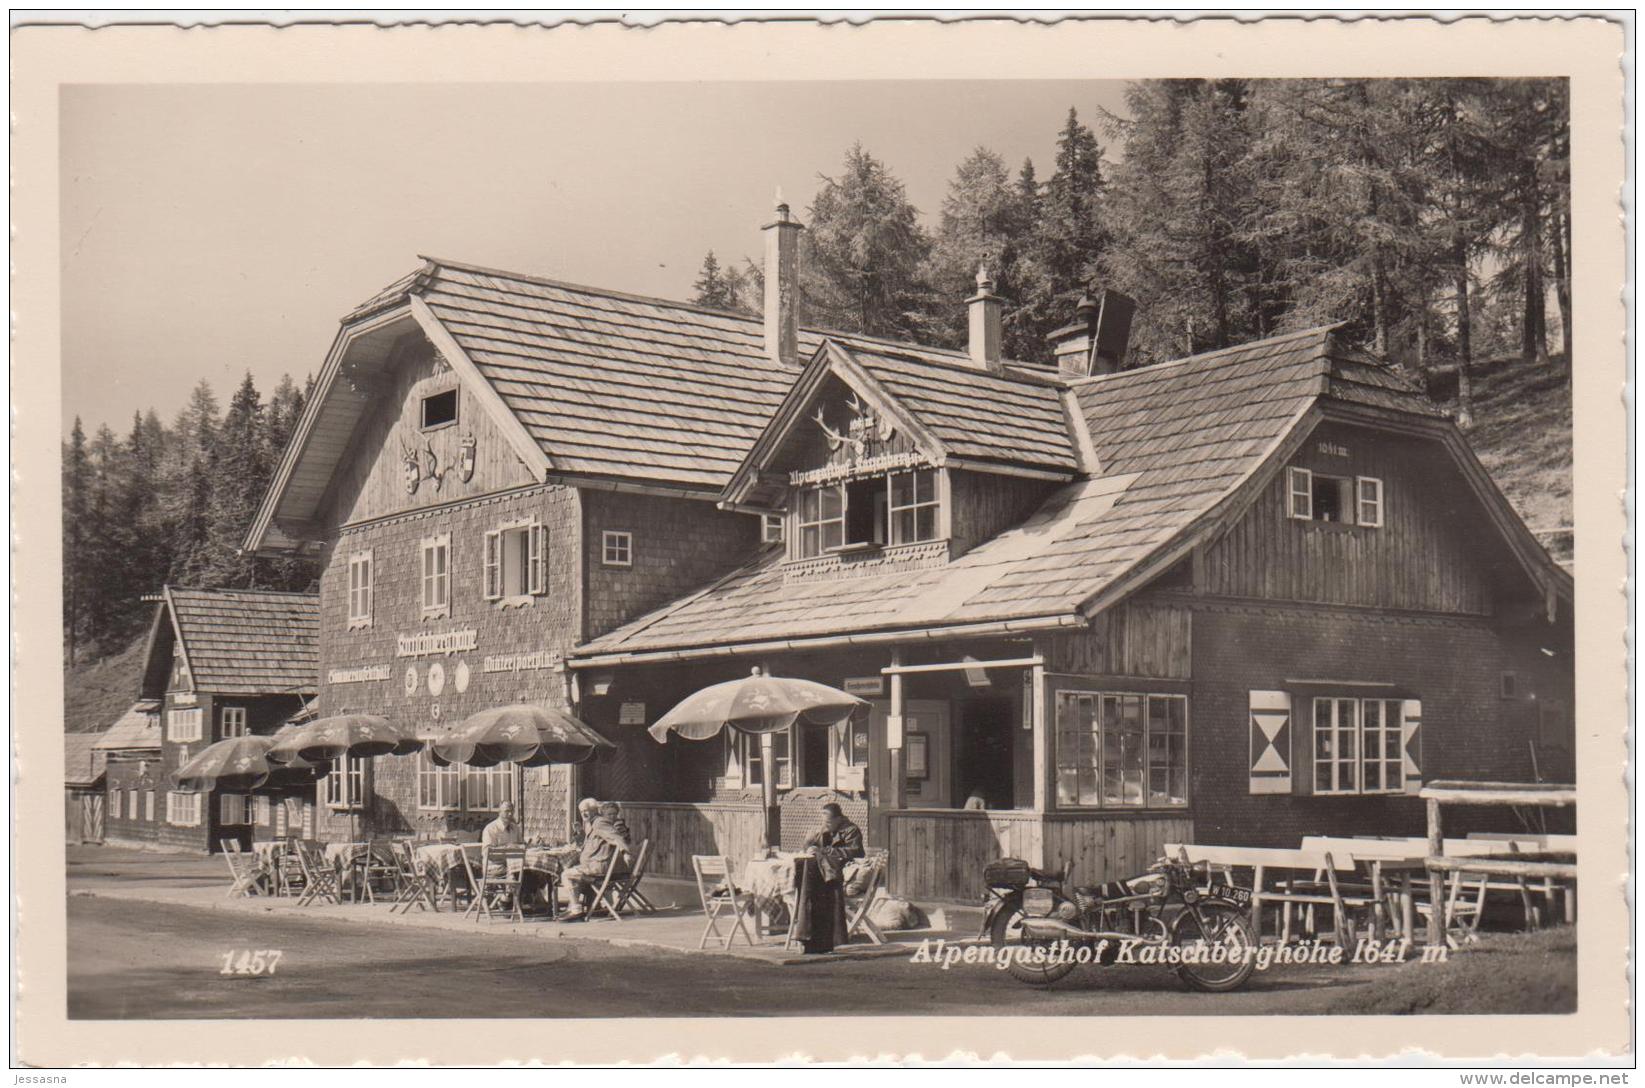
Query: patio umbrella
[[755, 704], [284, 745], [358, 735], [526, 734], [236, 764]]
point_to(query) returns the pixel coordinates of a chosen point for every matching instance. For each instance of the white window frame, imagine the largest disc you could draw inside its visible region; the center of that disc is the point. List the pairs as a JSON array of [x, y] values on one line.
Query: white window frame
[[1080, 760], [361, 591], [1368, 505], [487, 789], [439, 789], [616, 548], [1389, 728], [934, 504], [234, 722], [771, 528], [803, 521], [516, 562], [434, 572], [183, 809], [262, 812], [232, 810], [148, 805], [347, 773], [183, 724], [743, 753]]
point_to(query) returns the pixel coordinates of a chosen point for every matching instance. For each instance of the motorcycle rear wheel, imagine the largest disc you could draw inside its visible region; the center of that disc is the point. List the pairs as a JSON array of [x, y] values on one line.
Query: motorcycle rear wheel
[[1006, 932], [1228, 929]]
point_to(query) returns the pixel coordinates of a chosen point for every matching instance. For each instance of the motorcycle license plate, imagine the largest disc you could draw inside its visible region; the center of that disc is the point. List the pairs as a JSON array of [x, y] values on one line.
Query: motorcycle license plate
[[1038, 902], [1238, 896]]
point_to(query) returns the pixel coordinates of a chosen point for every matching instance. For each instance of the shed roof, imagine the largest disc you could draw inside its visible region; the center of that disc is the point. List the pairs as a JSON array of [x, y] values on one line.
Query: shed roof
[[137, 729], [1173, 443], [248, 641], [82, 761]]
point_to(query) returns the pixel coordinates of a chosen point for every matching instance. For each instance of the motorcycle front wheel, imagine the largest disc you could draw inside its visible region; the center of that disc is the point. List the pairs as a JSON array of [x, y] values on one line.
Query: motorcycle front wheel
[[1006, 933], [1224, 927]]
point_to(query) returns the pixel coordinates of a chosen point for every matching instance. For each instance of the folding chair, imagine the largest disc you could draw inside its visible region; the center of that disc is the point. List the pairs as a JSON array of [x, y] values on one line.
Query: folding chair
[[247, 877], [628, 884], [496, 881], [416, 886], [718, 891], [376, 864], [319, 879], [857, 919], [613, 882]]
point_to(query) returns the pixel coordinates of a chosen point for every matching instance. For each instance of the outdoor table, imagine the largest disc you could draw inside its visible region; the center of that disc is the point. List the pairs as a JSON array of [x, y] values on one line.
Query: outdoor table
[[437, 860], [543, 865], [770, 881], [349, 859]]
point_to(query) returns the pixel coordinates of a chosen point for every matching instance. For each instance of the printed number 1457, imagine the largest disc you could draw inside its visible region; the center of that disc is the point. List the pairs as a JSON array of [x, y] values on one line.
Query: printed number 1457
[[261, 962]]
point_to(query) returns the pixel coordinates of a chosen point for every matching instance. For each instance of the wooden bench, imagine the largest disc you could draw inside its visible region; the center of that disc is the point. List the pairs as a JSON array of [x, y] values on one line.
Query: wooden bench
[[1262, 860]]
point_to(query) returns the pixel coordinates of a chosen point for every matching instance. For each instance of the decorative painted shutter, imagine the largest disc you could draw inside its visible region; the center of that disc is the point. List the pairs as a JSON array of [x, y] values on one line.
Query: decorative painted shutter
[[493, 565], [1410, 733], [538, 561], [1270, 742]]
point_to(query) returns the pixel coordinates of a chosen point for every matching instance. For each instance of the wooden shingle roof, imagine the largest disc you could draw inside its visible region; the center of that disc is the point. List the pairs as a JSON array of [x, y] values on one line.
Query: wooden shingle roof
[[82, 760], [135, 730], [1023, 425], [248, 642], [1172, 443]]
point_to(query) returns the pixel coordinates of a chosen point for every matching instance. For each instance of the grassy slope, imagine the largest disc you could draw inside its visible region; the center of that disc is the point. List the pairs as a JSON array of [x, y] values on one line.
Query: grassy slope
[[97, 693], [1522, 434]]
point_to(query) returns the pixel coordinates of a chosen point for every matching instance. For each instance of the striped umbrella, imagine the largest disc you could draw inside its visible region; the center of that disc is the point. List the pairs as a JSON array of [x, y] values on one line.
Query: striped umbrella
[[235, 764], [358, 735], [526, 734], [755, 704]]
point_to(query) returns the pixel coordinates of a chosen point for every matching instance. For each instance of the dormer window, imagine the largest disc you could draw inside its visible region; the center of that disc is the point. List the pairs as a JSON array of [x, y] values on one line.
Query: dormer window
[[1344, 500], [439, 409], [874, 511]]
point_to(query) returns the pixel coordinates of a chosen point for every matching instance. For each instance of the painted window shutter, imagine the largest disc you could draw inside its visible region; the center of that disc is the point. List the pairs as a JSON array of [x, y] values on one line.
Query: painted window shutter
[[539, 559], [1410, 733], [493, 565], [1270, 742]]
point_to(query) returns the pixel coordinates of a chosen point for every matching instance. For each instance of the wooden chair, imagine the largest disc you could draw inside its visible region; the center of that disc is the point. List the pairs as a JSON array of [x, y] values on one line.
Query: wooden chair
[[718, 891], [416, 887], [628, 884], [616, 885], [319, 878], [857, 919], [1461, 918], [494, 873], [247, 878]]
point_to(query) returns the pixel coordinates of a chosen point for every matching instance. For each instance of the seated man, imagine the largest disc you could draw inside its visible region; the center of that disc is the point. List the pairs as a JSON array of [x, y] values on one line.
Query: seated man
[[502, 831], [835, 843], [603, 841], [588, 810]]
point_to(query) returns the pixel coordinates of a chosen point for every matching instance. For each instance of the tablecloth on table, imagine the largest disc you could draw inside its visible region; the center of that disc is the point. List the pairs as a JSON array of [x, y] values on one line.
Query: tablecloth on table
[[441, 857]]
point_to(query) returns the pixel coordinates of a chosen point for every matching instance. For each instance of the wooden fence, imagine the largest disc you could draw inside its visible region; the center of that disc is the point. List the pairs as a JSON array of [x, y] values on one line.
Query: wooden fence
[[678, 830]]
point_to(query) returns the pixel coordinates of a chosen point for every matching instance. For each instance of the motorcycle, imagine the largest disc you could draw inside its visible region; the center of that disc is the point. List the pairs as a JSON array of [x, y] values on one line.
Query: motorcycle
[[1046, 928]]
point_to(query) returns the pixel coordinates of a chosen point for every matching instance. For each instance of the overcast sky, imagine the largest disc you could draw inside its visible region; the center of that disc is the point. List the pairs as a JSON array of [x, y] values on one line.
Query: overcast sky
[[208, 230]]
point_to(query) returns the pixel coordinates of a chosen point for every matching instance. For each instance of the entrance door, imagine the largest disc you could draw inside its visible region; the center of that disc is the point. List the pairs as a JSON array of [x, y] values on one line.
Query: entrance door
[[928, 755], [983, 750], [91, 811]]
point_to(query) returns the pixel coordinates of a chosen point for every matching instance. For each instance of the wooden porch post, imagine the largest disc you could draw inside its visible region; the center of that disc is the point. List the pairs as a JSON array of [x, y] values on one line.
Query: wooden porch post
[[894, 739], [1042, 753]]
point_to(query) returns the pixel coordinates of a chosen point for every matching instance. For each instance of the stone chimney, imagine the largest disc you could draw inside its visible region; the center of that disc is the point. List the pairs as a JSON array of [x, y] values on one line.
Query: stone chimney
[[984, 311], [782, 287], [1095, 343]]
